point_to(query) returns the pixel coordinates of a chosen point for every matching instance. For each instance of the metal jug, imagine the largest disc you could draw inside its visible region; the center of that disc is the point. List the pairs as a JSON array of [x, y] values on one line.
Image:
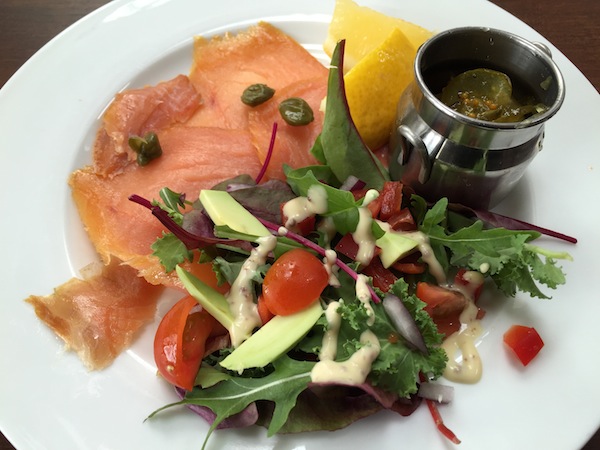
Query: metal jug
[[442, 153]]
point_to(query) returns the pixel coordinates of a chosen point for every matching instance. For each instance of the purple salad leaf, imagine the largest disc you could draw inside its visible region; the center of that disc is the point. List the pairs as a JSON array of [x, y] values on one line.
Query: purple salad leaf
[[245, 418], [501, 221]]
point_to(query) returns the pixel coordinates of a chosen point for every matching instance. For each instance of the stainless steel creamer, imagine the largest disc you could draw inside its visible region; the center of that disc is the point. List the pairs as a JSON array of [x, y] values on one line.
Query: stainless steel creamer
[[442, 153]]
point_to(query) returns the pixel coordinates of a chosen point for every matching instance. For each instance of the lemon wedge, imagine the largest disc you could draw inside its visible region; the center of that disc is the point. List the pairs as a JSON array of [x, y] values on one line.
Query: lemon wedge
[[364, 29], [375, 84]]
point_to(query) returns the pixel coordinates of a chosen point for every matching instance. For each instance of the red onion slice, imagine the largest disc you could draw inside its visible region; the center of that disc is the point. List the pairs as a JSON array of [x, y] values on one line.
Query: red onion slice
[[404, 322], [440, 393]]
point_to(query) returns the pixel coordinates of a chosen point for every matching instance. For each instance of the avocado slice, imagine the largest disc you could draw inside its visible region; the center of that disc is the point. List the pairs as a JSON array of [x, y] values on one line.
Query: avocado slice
[[223, 209], [394, 246], [213, 301], [273, 339]]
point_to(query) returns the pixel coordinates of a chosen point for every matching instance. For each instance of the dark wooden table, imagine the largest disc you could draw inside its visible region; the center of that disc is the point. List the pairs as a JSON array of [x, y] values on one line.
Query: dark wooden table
[[571, 25]]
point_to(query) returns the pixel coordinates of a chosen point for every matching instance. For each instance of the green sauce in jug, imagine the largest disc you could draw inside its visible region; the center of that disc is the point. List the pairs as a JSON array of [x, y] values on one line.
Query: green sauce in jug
[[487, 94]]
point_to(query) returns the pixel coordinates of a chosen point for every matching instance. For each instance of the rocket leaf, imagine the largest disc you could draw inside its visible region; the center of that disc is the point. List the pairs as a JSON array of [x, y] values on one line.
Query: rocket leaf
[[230, 396]]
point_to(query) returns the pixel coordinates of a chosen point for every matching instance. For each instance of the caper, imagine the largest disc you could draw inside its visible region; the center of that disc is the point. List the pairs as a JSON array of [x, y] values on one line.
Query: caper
[[142, 160], [257, 94], [147, 148], [136, 142], [295, 111]]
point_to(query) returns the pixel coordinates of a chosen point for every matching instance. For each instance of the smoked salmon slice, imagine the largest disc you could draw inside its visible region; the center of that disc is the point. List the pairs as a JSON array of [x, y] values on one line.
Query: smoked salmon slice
[[100, 316], [292, 143], [226, 65], [193, 158], [136, 112]]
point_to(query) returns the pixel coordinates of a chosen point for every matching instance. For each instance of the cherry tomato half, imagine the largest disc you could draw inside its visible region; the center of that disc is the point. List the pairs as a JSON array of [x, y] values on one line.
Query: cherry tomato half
[[180, 341], [525, 342], [263, 312], [294, 281]]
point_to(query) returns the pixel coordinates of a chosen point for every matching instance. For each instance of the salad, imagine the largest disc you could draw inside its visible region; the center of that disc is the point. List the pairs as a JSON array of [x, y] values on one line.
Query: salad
[[345, 293]]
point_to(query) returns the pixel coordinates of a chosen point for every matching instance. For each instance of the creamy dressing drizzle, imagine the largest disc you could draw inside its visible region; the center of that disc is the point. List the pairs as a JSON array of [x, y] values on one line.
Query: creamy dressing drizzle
[[372, 194], [330, 339], [364, 295], [354, 370], [300, 208], [327, 227], [241, 295], [364, 237], [329, 261], [474, 280], [470, 367], [434, 266]]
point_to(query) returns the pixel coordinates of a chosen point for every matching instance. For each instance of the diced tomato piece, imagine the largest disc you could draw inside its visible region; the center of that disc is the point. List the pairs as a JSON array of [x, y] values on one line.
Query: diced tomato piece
[[294, 282], [382, 278], [347, 247], [411, 268], [410, 264], [403, 220], [391, 199], [303, 228], [525, 342], [374, 206], [448, 325]]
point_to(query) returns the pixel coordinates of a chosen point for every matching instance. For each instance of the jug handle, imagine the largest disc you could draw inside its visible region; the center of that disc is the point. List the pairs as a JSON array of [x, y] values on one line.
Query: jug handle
[[543, 47], [411, 143]]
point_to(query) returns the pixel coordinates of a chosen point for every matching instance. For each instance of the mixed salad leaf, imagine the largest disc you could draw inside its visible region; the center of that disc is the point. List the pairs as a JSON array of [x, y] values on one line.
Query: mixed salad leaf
[[505, 255], [282, 396]]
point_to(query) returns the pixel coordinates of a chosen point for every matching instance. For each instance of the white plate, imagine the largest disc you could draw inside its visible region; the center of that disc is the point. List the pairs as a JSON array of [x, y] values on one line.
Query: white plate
[[48, 113]]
